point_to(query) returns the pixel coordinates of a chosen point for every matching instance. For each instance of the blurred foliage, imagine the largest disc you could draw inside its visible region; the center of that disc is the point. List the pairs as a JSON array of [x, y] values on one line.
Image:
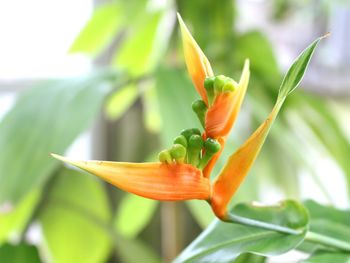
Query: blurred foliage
[[19, 253], [83, 220]]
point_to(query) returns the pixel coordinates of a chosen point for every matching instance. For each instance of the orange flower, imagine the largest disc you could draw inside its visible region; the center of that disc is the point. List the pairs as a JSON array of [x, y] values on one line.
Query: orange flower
[[184, 170]]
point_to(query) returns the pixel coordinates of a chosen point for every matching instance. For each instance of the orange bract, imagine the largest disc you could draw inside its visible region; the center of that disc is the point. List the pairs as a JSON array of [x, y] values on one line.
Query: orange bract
[[237, 167], [198, 65], [166, 182]]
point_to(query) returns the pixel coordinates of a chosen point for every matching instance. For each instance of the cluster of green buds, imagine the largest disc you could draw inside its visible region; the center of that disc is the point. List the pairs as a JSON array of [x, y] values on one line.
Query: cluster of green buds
[[217, 85], [189, 147], [214, 86]]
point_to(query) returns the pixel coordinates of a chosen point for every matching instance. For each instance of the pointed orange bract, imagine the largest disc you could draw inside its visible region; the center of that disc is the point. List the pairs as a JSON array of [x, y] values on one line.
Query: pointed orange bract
[[238, 165], [224, 111], [166, 182], [197, 63]]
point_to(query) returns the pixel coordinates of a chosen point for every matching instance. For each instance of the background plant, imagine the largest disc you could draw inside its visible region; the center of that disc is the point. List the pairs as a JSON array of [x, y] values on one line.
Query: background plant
[[77, 214]]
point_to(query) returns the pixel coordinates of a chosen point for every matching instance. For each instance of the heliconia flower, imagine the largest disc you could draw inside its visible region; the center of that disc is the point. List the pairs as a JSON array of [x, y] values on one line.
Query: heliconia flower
[[183, 172]]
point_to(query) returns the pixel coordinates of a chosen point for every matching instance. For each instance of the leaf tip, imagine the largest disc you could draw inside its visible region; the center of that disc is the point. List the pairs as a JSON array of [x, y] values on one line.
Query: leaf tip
[[63, 159], [328, 34]]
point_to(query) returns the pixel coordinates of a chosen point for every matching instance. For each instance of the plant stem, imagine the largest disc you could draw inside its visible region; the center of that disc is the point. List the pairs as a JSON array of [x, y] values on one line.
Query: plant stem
[[327, 241], [255, 223]]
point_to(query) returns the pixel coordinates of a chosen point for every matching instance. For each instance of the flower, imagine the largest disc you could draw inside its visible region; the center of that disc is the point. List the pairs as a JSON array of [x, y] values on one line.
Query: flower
[[184, 170]]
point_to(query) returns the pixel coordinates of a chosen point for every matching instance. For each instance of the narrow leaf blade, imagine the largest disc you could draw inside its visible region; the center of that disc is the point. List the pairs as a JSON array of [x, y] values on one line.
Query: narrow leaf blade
[[297, 70]]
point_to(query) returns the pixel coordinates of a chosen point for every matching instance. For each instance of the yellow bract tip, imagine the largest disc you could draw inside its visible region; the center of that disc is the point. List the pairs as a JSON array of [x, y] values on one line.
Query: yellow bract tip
[[198, 65]]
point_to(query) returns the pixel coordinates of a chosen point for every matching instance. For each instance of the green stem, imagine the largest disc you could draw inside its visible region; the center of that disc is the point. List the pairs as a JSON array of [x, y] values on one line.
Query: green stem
[[255, 223], [327, 241]]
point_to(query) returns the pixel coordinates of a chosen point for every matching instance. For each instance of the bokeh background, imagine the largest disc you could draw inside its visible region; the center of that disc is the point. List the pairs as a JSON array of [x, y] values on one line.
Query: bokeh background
[[96, 79]]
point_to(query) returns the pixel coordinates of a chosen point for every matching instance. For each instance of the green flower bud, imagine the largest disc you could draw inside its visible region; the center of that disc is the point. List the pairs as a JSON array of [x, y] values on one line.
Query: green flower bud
[[219, 83], [211, 147], [200, 108], [188, 132], [209, 82], [195, 145], [165, 157], [230, 86], [181, 140], [178, 152], [209, 87], [196, 131]]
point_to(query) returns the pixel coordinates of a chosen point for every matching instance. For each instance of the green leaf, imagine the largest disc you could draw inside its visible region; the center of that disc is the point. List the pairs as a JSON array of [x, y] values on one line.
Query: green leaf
[[151, 111], [46, 119], [255, 46], [318, 211], [118, 103], [326, 257], [135, 251], [227, 241], [323, 121], [19, 253], [297, 70], [134, 213], [329, 221], [175, 94], [100, 30], [250, 258], [75, 219], [143, 49], [13, 222]]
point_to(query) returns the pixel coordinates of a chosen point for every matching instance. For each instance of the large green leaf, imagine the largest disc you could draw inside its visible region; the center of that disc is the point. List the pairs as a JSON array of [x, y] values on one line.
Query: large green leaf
[[255, 46], [226, 241], [13, 222], [320, 117], [215, 33], [330, 222], [100, 30], [151, 112], [19, 253], [45, 119], [175, 94], [143, 49], [119, 102], [134, 213], [250, 258], [75, 219]]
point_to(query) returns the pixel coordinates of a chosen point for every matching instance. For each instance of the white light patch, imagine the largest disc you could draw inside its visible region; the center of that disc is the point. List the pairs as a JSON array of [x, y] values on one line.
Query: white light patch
[[36, 34]]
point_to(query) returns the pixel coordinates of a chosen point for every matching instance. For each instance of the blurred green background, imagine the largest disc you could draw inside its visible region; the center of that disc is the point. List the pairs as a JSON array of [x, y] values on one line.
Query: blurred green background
[[120, 91]]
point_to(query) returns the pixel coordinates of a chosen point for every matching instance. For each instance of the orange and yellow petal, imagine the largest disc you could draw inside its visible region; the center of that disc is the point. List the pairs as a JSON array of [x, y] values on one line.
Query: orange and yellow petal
[[223, 113], [197, 63], [237, 167], [166, 182]]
